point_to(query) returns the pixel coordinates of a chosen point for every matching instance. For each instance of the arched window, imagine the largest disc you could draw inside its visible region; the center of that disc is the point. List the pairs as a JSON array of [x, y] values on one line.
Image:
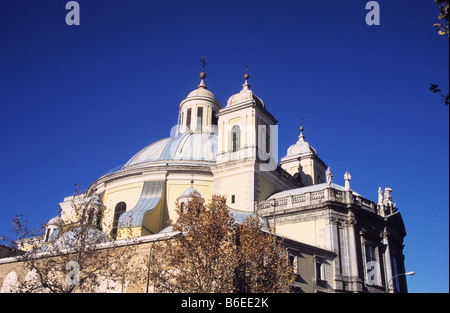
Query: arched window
[[47, 235], [90, 216], [235, 138], [263, 140], [199, 119], [214, 118], [188, 118], [99, 218], [120, 208]]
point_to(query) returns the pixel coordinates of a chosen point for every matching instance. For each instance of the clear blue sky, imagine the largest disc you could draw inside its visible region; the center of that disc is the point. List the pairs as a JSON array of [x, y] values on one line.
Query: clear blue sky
[[77, 101]]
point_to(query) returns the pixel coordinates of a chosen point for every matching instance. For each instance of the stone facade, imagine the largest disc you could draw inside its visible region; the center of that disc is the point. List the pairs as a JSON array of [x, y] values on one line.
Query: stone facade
[[365, 240], [339, 240]]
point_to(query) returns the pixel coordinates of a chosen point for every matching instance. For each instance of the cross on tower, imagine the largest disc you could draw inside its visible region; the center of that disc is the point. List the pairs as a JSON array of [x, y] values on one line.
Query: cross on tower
[[203, 63]]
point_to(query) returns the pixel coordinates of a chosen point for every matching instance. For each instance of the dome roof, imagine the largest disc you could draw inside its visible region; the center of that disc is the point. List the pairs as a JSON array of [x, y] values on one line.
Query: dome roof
[[57, 220], [183, 147], [191, 191], [245, 96], [202, 93], [189, 194], [72, 238], [301, 147]]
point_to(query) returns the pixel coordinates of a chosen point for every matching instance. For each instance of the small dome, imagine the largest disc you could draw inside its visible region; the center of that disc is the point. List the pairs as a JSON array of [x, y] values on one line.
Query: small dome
[[57, 221], [202, 93], [72, 237], [191, 192], [301, 147], [245, 96]]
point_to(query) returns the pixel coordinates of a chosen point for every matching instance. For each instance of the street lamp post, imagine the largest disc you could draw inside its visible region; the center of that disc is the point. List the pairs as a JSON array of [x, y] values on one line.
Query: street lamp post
[[401, 274]]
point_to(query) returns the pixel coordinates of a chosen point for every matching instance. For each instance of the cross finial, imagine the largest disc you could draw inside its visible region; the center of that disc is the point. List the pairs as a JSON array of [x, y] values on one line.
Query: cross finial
[[301, 127], [246, 77], [203, 63]]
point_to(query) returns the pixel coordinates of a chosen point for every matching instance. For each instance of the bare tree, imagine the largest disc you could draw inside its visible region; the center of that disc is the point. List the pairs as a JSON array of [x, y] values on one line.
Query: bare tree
[[73, 255], [215, 254], [442, 29]]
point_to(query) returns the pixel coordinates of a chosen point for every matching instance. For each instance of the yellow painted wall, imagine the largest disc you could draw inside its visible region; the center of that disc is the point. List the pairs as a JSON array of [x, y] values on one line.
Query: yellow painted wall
[[176, 187], [246, 122], [132, 232], [129, 193], [265, 188], [309, 232], [240, 185], [293, 169]]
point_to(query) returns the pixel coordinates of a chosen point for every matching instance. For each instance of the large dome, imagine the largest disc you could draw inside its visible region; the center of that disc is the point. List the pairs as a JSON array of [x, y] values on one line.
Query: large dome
[[184, 147]]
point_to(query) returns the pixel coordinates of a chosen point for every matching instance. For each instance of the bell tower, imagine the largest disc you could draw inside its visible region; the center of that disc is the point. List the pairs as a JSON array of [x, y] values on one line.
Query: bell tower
[[303, 162], [198, 112], [244, 127], [246, 165]]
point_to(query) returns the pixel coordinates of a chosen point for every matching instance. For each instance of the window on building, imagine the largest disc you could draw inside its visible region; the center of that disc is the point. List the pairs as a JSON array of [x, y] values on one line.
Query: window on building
[[120, 208], [90, 216], [47, 235], [99, 218], [233, 198], [293, 261], [188, 118], [182, 207], [320, 270], [373, 276], [235, 138], [199, 118], [214, 118], [262, 142]]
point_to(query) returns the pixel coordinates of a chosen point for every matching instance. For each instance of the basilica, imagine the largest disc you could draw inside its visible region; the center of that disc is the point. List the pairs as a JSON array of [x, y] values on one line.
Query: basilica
[[338, 240]]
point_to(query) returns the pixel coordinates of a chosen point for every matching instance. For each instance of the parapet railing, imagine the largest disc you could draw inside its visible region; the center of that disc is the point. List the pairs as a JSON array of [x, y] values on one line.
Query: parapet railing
[[313, 198]]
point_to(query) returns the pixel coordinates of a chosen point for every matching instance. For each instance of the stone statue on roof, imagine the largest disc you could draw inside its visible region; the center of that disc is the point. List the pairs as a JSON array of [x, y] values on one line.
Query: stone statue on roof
[[329, 177]]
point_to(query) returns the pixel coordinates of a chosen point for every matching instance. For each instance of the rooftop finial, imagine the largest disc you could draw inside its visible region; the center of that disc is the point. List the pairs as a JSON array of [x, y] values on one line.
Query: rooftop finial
[[203, 63], [246, 77], [301, 138], [202, 74]]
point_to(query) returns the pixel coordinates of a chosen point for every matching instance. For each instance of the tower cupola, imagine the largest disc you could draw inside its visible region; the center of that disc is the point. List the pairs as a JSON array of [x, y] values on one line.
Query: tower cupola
[[198, 110]]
